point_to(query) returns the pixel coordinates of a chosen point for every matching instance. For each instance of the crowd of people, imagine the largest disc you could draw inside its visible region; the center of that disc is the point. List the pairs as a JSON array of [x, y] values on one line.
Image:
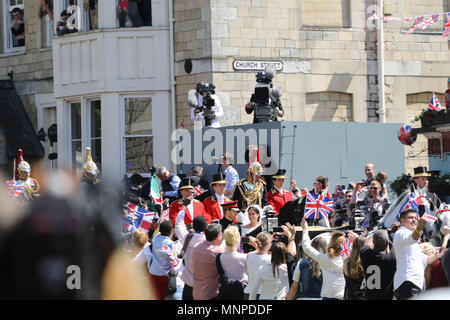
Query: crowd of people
[[229, 253], [224, 248]]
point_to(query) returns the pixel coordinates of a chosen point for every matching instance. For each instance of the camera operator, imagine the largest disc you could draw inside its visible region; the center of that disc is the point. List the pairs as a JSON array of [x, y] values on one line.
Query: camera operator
[[265, 102], [205, 105]]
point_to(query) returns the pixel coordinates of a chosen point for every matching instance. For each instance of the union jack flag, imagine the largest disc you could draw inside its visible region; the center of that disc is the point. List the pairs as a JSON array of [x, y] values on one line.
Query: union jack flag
[[170, 251], [414, 202], [198, 190], [346, 248], [128, 225], [443, 210], [317, 207], [142, 219], [434, 104], [428, 22], [15, 188], [415, 25], [446, 33], [362, 190]]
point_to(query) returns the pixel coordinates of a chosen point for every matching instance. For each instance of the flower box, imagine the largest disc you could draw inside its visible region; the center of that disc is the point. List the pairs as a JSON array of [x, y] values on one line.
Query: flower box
[[437, 119]]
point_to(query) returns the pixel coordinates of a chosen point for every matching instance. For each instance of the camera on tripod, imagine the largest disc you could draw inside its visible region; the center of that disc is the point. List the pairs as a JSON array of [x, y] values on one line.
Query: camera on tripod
[[266, 99], [207, 108]]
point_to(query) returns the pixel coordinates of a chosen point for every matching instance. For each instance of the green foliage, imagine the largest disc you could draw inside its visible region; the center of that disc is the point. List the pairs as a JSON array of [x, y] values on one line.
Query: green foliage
[[400, 184]]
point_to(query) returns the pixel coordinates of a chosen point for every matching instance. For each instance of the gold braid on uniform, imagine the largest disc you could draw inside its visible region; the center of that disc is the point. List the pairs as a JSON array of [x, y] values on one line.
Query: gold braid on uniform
[[252, 197], [37, 186]]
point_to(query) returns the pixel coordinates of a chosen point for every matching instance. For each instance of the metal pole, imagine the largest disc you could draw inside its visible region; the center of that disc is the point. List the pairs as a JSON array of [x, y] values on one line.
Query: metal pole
[[380, 59]]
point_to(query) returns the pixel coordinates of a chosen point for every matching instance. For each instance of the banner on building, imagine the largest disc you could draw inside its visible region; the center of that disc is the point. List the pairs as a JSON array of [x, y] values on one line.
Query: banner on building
[[420, 22]]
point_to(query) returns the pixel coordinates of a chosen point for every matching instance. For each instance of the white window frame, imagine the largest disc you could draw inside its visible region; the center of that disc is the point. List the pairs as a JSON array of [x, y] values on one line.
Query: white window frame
[[49, 27], [85, 126], [8, 38], [124, 136], [60, 5]]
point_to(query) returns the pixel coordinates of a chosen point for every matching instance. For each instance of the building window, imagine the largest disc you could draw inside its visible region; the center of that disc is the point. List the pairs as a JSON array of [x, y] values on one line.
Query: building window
[[96, 132], [138, 135], [86, 131], [76, 141], [14, 25], [133, 14]]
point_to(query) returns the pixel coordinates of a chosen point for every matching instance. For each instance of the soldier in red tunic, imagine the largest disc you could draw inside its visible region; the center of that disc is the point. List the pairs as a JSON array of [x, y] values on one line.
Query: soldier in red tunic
[[277, 196], [187, 205], [213, 203]]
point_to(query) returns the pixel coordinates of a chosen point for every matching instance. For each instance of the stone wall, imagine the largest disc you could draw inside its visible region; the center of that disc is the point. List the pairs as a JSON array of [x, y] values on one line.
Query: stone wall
[[33, 70]]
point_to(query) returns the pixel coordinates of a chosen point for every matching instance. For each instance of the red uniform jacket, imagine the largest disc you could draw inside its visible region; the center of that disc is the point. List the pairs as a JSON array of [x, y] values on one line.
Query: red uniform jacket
[[276, 200], [212, 207], [199, 210]]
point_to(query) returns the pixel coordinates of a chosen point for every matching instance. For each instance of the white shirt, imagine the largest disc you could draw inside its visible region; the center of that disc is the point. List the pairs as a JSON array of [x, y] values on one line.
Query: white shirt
[[254, 263], [271, 288], [333, 284], [221, 200], [234, 265], [218, 108], [411, 262], [232, 177], [144, 256]]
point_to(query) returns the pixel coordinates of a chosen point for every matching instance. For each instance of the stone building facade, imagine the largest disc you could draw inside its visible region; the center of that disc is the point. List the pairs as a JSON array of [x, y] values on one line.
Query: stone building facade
[[31, 66], [329, 54], [328, 49]]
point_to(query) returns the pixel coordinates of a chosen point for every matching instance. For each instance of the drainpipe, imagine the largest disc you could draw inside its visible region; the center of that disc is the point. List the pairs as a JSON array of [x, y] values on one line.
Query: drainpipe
[[380, 59], [172, 75]]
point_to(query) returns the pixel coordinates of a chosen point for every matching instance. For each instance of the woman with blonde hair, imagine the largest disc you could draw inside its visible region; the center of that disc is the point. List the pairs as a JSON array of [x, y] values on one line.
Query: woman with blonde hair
[[140, 250], [257, 259], [330, 262], [234, 263], [354, 272], [272, 277]]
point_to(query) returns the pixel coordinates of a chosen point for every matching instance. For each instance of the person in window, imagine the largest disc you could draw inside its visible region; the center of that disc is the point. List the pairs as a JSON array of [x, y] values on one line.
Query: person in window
[[61, 26], [18, 27], [45, 7], [92, 7], [128, 14]]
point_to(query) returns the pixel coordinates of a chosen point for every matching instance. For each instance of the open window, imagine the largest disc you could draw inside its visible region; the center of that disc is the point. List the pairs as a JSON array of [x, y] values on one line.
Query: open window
[[13, 25]]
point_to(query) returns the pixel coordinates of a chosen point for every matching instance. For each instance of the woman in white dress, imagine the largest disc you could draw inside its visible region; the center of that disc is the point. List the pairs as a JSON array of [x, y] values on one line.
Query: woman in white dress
[[252, 219]]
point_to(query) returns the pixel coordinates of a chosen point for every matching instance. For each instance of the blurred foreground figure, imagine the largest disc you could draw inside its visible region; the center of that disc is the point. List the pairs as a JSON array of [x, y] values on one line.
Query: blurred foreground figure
[[65, 246]]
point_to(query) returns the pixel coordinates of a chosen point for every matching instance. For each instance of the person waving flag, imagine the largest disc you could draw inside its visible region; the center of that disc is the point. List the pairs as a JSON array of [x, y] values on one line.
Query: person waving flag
[[317, 206]]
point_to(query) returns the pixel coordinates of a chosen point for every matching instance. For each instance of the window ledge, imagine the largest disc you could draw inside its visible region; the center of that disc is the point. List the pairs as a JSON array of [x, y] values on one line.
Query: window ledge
[[13, 53], [45, 49]]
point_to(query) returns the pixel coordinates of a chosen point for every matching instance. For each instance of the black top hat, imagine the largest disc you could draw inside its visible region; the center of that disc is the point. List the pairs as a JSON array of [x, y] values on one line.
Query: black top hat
[[219, 178], [421, 172], [280, 174], [230, 205], [186, 183]]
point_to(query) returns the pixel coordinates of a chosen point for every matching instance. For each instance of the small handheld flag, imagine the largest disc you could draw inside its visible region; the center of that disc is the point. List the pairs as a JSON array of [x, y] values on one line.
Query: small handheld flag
[[434, 105]]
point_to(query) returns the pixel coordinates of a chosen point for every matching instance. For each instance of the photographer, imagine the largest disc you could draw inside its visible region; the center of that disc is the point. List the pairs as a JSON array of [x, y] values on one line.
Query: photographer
[[265, 102], [205, 105]]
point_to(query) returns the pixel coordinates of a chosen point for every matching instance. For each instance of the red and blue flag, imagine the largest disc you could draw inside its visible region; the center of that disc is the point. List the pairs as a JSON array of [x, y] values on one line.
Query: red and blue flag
[[317, 206]]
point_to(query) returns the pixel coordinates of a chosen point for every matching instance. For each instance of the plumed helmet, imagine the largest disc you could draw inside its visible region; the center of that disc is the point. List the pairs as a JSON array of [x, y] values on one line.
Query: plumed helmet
[[89, 165], [22, 164], [255, 168]]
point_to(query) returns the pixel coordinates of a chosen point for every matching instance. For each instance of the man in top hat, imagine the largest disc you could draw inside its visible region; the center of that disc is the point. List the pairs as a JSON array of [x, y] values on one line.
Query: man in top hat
[[90, 170], [23, 175], [251, 190], [230, 213], [213, 203], [277, 196], [421, 187], [187, 207]]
